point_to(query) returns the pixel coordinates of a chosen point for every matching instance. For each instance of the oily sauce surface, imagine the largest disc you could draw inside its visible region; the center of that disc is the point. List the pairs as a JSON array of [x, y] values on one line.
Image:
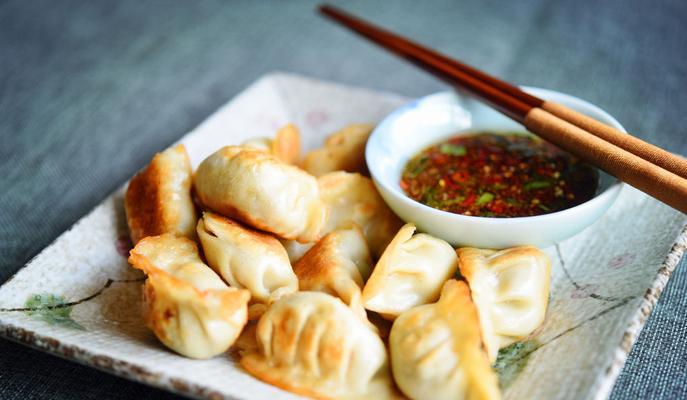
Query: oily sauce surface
[[498, 175]]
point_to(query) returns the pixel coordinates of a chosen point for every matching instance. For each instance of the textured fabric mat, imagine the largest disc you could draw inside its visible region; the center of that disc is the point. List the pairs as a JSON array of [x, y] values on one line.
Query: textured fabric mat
[[90, 90]]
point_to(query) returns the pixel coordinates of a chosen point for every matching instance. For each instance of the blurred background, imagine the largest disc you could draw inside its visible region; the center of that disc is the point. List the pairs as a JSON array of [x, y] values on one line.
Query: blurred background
[[90, 90]]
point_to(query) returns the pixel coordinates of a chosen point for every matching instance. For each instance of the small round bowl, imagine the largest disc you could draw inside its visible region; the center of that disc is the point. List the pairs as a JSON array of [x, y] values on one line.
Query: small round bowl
[[431, 119]]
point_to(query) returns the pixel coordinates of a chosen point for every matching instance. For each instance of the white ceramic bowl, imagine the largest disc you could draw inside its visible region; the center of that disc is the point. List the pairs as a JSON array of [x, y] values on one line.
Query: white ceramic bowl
[[429, 120]]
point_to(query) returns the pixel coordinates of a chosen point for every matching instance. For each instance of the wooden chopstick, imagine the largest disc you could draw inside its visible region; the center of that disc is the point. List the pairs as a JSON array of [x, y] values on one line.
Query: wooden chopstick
[[656, 155], [631, 160]]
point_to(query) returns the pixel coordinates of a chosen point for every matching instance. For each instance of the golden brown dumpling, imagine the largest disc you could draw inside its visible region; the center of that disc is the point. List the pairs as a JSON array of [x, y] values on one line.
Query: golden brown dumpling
[[510, 289], [256, 188], [352, 198], [188, 307], [339, 264], [436, 350], [286, 145], [158, 199], [410, 273], [246, 258], [312, 344], [343, 151]]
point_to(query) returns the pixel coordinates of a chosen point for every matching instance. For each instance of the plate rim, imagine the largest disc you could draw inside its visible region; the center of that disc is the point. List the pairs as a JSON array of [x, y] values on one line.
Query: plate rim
[[639, 318]]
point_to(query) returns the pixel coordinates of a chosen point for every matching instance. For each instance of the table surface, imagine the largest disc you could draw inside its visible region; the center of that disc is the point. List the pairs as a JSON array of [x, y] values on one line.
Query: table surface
[[89, 91]]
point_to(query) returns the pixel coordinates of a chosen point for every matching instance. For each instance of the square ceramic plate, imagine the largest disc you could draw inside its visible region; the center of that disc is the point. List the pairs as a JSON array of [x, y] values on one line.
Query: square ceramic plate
[[79, 299]]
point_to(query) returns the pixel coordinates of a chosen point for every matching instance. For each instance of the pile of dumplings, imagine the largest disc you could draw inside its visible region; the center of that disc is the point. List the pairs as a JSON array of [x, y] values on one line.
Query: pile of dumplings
[[299, 266]]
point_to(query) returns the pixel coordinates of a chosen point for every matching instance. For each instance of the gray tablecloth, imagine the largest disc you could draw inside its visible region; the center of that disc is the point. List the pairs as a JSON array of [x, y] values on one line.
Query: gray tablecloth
[[89, 90]]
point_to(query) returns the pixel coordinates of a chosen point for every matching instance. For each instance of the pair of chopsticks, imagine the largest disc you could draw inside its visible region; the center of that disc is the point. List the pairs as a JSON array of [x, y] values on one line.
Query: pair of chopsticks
[[659, 173]]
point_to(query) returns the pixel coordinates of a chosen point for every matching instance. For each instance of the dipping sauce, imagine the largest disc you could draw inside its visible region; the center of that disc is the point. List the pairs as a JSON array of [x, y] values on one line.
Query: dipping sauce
[[498, 175]]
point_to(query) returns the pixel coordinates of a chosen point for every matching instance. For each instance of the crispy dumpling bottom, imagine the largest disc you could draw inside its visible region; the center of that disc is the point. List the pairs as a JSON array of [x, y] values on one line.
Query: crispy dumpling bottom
[[158, 199]]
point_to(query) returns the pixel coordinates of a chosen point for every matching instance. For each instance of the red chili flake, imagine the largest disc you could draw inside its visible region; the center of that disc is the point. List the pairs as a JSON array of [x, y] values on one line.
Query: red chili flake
[[469, 200]]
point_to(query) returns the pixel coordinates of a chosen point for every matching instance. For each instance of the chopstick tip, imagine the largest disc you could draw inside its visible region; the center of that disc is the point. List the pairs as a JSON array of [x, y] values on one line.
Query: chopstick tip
[[323, 7], [329, 10]]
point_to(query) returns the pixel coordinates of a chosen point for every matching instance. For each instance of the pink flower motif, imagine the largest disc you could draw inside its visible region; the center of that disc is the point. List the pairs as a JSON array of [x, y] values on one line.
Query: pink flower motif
[[621, 260], [583, 291], [316, 118], [123, 245]]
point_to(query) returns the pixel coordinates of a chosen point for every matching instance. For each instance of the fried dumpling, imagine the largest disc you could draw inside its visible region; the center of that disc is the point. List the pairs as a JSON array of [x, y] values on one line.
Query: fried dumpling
[[188, 307], [246, 258], [510, 289], [339, 264], [256, 188], [158, 199], [286, 144], [312, 344], [352, 198], [436, 350], [344, 150], [410, 272]]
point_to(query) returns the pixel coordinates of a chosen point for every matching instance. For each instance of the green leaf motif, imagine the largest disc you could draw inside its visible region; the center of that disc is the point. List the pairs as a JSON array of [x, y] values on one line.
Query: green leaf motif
[[512, 360], [52, 309]]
